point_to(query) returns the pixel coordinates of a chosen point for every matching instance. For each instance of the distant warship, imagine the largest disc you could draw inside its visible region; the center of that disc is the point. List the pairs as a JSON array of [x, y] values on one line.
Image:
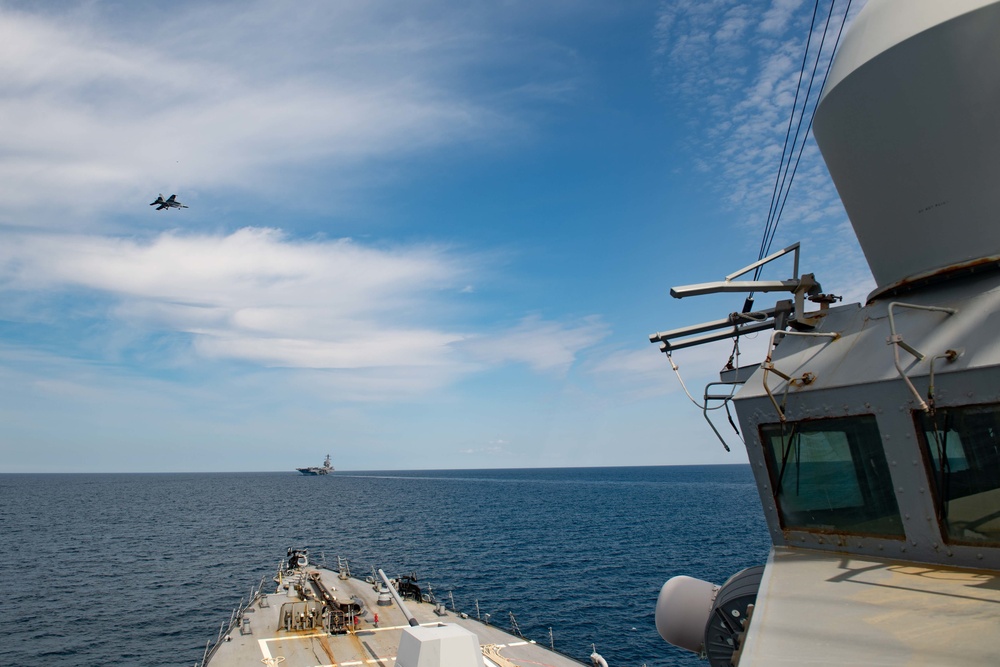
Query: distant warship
[[326, 468]]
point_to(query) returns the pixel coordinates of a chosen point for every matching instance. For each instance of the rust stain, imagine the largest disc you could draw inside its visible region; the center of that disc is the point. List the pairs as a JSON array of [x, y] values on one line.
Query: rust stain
[[362, 652], [323, 644], [924, 279]]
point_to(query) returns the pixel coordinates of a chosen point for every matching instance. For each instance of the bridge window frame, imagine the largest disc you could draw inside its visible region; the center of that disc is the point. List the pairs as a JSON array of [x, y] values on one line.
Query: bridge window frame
[[967, 488], [831, 476]]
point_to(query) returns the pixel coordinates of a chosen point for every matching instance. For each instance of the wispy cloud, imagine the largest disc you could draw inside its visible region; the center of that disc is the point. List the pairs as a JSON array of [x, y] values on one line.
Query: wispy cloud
[[255, 295], [258, 297], [541, 345], [238, 96], [493, 447], [733, 74]]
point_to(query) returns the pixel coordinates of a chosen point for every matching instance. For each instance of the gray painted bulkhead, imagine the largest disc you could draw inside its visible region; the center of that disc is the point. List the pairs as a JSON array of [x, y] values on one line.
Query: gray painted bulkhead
[[856, 375]]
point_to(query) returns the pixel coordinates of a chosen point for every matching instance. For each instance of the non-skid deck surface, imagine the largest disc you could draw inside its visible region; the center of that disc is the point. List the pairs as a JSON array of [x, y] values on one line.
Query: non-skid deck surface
[[261, 642]]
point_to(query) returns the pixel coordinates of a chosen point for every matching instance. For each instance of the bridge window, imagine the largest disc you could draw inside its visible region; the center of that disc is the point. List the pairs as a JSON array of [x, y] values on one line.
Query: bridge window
[[830, 475], [963, 446]]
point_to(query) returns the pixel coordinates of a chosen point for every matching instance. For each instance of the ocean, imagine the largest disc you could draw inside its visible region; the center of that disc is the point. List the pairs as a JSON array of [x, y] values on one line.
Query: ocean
[[141, 569]]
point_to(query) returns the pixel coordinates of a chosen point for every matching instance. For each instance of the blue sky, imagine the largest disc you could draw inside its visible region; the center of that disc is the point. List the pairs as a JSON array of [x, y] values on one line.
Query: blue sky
[[420, 235]]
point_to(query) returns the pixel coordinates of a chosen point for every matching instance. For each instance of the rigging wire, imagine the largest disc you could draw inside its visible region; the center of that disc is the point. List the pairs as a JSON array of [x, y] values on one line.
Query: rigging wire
[[776, 212], [787, 169], [788, 133], [802, 146]]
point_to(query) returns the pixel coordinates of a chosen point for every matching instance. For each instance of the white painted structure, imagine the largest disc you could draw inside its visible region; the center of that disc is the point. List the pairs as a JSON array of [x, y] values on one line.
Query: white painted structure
[[443, 645]]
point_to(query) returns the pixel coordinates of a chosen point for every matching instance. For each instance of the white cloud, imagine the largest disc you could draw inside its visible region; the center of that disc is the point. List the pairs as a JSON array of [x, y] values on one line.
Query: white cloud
[[778, 16], [255, 295], [250, 265], [372, 350], [541, 345], [260, 298]]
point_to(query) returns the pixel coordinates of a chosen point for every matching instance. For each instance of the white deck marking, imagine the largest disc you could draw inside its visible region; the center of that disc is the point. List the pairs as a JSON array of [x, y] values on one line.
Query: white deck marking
[[267, 653]]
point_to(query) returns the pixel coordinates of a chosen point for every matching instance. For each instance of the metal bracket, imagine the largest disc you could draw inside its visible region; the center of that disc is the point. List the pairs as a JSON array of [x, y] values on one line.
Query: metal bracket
[[768, 366], [725, 398], [896, 340], [799, 286]]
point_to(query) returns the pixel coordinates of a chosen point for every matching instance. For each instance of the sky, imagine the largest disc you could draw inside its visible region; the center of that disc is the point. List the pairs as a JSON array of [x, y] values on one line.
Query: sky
[[420, 235]]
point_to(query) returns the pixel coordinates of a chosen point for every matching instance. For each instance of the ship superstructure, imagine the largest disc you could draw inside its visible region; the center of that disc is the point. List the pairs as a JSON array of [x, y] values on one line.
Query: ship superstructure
[[873, 430]]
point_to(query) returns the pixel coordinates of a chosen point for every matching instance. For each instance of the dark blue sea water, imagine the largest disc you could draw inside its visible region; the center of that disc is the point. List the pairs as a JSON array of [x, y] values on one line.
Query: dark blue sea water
[[140, 569]]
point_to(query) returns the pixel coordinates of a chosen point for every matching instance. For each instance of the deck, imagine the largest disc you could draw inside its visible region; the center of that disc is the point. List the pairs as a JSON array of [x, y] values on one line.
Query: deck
[[260, 637]]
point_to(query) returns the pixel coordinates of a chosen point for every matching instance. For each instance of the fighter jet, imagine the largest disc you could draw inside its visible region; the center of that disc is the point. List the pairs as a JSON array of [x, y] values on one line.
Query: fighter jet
[[169, 202]]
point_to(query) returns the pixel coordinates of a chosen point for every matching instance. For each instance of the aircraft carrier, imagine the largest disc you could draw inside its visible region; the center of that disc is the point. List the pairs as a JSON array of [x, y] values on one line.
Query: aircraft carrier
[[324, 469]]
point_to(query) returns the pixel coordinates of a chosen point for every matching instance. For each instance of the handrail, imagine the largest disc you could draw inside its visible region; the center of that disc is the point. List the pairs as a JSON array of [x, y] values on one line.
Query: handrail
[[896, 340], [768, 365], [725, 398]]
